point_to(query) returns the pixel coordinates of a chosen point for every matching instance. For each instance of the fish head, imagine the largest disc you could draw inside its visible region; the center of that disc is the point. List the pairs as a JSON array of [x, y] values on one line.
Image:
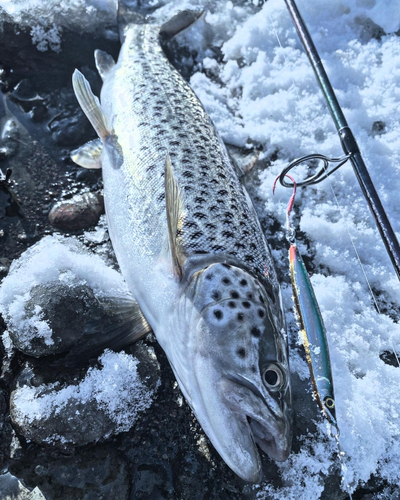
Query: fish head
[[237, 374]]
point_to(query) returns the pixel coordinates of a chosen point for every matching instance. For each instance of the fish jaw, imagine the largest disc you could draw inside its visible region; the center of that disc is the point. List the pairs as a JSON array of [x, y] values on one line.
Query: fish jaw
[[228, 430], [270, 423]]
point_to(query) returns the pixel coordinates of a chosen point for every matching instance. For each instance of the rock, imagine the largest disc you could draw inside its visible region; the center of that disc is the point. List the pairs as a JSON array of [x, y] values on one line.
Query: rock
[[11, 488], [80, 212], [78, 407], [70, 318], [94, 472]]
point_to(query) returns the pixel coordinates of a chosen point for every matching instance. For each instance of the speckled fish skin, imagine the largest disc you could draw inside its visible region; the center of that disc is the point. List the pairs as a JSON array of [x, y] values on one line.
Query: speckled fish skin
[[221, 325]]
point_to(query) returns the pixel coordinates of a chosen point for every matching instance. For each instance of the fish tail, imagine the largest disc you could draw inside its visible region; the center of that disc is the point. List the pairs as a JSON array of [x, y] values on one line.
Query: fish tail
[[139, 12]]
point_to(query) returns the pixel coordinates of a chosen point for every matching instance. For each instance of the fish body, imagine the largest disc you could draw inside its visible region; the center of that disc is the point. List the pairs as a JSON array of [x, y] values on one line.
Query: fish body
[[191, 249]]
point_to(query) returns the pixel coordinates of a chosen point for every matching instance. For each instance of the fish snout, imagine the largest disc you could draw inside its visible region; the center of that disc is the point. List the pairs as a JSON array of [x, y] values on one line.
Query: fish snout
[[269, 420]]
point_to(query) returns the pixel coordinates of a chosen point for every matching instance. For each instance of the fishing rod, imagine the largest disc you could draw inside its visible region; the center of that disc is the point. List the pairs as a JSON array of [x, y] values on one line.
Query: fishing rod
[[348, 142]]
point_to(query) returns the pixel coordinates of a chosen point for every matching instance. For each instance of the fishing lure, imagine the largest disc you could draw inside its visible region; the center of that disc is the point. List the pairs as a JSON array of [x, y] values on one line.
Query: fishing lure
[[312, 327]]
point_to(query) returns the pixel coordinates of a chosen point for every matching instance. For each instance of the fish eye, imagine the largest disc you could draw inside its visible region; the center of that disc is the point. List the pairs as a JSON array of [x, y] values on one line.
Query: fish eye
[[273, 377]]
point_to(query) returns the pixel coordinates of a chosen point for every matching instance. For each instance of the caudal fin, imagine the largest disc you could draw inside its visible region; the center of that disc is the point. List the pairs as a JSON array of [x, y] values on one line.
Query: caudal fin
[[140, 12]]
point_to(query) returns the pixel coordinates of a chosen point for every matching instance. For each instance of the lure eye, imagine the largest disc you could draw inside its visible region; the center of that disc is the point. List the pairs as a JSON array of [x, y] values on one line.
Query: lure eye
[[329, 403], [273, 377]]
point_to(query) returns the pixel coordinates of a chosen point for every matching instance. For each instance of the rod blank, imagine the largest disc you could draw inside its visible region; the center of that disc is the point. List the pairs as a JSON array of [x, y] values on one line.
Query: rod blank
[[347, 140]]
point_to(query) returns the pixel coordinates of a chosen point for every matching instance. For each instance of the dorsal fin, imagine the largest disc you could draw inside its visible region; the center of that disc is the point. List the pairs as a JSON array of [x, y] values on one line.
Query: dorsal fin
[[104, 63], [174, 207], [90, 104]]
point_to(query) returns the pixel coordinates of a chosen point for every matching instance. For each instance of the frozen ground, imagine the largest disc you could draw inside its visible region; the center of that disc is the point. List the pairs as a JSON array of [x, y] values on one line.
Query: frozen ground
[[256, 83]]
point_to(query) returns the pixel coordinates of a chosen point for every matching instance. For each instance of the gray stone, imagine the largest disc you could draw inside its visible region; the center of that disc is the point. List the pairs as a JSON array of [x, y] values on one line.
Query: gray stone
[[11, 488], [73, 411]]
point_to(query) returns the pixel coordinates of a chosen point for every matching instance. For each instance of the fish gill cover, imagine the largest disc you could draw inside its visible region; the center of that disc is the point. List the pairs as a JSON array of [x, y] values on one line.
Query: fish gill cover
[[260, 90]]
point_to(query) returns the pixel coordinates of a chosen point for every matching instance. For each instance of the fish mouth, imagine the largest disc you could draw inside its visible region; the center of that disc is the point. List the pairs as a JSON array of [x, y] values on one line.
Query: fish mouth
[[272, 433], [278, 451]]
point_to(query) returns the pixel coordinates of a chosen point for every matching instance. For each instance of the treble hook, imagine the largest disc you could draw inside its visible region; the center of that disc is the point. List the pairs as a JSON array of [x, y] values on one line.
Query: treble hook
[[319, 176]]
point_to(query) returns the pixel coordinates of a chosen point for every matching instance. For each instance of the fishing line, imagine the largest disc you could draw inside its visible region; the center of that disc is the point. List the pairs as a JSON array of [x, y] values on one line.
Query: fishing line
[[361, 265]]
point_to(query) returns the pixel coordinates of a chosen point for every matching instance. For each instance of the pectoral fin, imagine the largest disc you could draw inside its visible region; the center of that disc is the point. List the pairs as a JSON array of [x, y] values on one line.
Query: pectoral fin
[[174, 207], [90, 104], [118, 323], [88, 155], [104, 63]]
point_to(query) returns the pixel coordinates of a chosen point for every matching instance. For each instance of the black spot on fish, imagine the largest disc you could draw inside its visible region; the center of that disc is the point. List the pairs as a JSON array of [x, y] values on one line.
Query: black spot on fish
[[241, 352], [232, 304], [216, 295], [226, 281], [261, 313], [190, 223], [218, 314], [218, 248], [199, 215], [246, 305], [253, 369], [196, 235], [234, 295], [249, 295], [240, 316], [227, 234], [256, 332], [222, 192], [243, 282], [249, 258], [187, 174], [199, 200]]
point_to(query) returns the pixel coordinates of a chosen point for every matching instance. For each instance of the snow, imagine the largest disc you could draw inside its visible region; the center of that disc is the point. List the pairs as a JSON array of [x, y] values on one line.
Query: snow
[[116, 388], [264, 91], [256, 83], [53, 259]]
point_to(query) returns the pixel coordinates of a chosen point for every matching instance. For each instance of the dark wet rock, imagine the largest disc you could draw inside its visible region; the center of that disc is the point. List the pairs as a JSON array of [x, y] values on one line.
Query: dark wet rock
[[94, 472], [80, 212], [11, 488], [84, 406]]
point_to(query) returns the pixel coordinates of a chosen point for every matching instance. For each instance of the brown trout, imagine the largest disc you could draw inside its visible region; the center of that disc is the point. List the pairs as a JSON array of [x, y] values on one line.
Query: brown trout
[[190, 246]]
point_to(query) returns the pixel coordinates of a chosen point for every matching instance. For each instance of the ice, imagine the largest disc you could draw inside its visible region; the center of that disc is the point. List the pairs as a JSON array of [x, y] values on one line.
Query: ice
[[53, 259], [116, 388]]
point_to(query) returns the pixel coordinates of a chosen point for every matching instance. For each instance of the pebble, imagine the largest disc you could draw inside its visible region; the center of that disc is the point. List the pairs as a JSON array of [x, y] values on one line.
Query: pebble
[[80, 212]]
